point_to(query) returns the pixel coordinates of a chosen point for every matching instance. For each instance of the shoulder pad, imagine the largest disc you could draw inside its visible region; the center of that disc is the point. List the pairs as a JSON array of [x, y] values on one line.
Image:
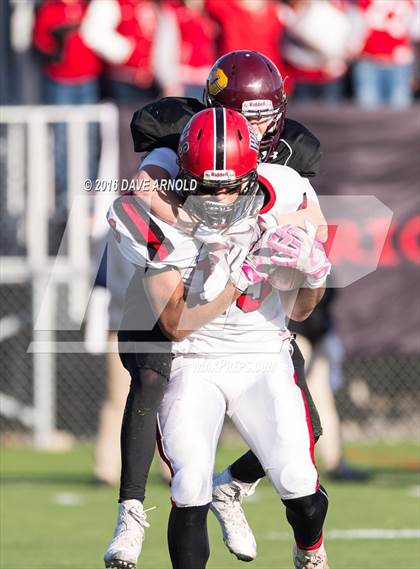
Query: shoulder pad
[[147, 241], [284, 189], [161, 123], [299, 149]]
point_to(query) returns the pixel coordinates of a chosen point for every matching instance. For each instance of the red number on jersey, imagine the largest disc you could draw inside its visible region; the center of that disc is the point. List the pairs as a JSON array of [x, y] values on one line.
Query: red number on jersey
[[249, 302]]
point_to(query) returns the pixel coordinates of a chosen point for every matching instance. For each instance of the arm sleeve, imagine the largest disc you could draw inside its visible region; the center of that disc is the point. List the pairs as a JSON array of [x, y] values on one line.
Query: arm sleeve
[[164, 158]]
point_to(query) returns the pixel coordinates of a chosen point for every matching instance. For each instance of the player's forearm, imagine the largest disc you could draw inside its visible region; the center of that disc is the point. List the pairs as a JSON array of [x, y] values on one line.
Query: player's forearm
[[312, 213], [306, 301], [299, 305], [179, 316], [192, 318]]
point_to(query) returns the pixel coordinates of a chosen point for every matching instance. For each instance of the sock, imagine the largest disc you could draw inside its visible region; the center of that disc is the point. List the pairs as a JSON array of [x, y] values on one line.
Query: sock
[[187, 537]]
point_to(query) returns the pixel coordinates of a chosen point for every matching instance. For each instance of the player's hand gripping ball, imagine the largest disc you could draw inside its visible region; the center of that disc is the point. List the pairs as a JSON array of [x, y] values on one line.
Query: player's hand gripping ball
[[286, 248], [299, 259]]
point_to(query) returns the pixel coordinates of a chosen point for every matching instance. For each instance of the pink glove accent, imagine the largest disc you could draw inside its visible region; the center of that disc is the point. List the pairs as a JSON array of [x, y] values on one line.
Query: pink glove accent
[[295, 248], [286, 242], [318, 267], [251, 274]]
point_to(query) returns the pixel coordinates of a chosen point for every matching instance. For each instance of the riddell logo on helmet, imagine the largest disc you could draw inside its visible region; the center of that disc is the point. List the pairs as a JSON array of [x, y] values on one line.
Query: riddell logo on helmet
[[217, 81], [216, 175], [257, 105]]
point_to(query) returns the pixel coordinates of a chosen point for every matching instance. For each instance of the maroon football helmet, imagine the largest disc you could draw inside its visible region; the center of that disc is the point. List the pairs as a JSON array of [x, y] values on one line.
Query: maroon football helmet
[[218, 151], [250, 83]]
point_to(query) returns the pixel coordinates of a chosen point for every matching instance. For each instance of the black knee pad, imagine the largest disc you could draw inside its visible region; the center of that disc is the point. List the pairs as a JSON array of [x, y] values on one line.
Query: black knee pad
[[306, 515], [313, 507]]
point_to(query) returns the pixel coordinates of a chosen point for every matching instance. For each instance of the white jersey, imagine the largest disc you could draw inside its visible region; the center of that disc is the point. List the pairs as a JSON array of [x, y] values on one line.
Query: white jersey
[[256, 321]]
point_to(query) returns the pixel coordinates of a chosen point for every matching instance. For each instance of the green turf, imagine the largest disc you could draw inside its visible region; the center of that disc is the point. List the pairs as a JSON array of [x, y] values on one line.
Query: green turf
[[39, 531]]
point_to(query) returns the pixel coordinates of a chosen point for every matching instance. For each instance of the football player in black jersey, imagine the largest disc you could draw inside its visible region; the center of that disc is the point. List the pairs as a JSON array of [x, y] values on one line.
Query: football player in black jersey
[[251, 84]]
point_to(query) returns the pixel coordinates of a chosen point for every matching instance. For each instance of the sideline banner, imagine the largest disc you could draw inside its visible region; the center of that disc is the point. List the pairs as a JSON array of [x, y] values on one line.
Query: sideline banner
[[374, 153]]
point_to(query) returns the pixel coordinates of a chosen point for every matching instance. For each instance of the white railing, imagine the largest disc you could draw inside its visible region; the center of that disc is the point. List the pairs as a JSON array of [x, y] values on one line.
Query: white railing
[[28, 196]]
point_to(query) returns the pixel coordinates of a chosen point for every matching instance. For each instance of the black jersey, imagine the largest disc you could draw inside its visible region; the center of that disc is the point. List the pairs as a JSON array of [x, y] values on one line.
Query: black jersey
[[160, 124]]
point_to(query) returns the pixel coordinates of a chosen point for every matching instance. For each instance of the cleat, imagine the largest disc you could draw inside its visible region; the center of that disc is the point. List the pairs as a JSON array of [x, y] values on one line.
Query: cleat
[[226, 505], [304, 559], [125, 546]]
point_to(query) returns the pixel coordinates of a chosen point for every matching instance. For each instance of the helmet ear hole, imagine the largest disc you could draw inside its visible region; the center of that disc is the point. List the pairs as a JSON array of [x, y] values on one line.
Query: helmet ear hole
[[240, 134], [200, 132]]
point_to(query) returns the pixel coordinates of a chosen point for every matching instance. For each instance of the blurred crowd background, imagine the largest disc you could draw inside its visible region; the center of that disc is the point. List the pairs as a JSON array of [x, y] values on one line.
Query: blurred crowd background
[[131, 51], [73, 72]]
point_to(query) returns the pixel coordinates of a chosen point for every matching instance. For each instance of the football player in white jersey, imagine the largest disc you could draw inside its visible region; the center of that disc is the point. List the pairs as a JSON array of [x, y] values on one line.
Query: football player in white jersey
[[253, 86], [265, 404]]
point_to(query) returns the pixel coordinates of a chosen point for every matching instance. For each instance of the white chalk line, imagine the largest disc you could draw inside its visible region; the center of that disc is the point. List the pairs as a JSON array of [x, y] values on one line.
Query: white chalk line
[[68, 499], [368, 533]]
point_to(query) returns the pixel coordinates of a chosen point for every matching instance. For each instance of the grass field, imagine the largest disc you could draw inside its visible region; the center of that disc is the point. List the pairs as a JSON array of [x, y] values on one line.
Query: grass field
[[52, 517]]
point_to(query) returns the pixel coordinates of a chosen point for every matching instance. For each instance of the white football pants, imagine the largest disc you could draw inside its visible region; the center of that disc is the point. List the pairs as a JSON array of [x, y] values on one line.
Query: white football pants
[[258, 392]]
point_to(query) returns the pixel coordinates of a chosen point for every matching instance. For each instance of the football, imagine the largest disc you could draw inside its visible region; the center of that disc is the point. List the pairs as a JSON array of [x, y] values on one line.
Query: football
[[286, 279]]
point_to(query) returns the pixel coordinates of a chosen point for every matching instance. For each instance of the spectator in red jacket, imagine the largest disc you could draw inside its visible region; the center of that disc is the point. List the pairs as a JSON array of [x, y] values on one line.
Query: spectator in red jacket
[[71, 71], [122, 32], [383, 72], [185, 48], [248, 24], [71, 67]]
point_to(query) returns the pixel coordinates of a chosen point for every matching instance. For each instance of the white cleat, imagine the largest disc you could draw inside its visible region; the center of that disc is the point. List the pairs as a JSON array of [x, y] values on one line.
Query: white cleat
[[226, 505], [316, 559], [125, 546]]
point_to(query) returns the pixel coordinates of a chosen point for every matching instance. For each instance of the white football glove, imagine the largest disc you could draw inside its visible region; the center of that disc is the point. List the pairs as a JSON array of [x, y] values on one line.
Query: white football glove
[[258, 264], [227, 251]]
